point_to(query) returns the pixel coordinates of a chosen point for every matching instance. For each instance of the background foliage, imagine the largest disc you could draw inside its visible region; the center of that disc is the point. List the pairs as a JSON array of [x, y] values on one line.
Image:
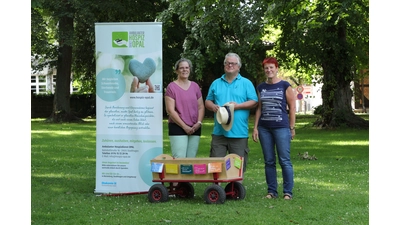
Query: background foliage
[[206, 30], [315, 40]]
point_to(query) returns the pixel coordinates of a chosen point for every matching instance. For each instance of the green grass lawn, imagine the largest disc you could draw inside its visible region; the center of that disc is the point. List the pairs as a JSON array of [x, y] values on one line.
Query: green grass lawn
[[334, 189]]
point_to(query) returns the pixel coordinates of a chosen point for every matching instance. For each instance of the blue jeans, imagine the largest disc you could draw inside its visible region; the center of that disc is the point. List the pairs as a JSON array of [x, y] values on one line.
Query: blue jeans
[[279, 138]]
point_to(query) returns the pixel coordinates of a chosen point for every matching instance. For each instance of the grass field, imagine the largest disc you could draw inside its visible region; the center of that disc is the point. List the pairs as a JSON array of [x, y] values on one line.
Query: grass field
[[334, 189]]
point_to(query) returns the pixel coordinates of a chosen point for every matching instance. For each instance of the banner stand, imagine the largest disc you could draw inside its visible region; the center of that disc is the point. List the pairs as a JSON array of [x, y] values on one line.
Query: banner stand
[[129, 101]]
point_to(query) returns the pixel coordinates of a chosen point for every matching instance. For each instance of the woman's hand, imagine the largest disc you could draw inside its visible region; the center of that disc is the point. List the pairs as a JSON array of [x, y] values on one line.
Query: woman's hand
[[293, 133], [255, 135]]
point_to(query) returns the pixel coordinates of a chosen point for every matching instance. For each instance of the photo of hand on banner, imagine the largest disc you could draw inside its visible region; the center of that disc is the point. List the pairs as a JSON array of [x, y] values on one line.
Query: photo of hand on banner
[[135, 87], [141, 74]]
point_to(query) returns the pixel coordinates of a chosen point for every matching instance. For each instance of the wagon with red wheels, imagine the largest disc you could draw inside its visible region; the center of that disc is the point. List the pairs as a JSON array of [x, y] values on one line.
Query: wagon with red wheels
[[174, 177]]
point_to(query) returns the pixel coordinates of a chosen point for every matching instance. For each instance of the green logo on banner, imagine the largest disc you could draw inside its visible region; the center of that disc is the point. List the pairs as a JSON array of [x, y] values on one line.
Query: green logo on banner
[[120, 39]]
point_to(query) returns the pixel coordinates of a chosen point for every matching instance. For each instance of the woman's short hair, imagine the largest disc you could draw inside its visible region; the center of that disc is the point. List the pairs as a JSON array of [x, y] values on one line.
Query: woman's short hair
[[176, 67], [270, 60]]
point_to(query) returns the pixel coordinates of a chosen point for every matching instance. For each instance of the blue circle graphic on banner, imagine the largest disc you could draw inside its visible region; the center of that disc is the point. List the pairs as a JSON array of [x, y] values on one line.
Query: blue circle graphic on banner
[[110, 85], [145, 164], [299, 96]]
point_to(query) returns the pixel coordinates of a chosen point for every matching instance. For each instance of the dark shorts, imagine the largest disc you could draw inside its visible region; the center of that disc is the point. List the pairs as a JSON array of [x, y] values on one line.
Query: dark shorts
[[221, 146], [174, 129]]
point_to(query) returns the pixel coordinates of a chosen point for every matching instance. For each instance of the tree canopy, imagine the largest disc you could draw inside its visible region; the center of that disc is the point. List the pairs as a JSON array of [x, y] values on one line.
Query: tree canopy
[[328, 40], [322, 39]]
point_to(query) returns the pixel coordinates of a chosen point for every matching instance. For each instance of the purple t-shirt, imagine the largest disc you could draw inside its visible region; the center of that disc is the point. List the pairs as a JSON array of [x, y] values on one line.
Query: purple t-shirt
[[185, 101]]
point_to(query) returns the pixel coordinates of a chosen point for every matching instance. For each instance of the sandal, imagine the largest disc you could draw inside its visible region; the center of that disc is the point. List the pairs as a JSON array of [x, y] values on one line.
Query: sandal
[[287, 197], [270, 196]]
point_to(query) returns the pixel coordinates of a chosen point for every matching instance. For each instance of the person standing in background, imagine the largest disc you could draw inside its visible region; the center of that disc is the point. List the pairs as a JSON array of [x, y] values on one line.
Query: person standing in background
[[185, 109], [274, 126], [231, 88]]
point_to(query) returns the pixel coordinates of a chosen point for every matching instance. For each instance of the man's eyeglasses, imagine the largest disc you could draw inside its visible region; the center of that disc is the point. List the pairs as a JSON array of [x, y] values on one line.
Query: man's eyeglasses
[[230, 64]]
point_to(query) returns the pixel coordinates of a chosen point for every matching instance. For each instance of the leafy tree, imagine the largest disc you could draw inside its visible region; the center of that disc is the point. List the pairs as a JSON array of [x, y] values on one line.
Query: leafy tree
[[43, 43], [215, 28], [61, 14], [330, 37], [327, 39], [324, 38], [174, 34], [72, 23]]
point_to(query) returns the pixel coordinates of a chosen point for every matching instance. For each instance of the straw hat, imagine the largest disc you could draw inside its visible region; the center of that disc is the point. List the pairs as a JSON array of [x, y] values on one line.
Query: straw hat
[[225, 115]]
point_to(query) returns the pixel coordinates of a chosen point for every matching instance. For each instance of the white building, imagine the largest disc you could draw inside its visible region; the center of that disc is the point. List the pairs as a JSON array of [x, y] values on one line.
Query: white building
[[44, 82]]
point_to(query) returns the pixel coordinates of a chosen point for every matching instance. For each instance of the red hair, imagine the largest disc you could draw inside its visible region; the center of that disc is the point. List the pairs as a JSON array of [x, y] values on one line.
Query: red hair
[[270, 60]]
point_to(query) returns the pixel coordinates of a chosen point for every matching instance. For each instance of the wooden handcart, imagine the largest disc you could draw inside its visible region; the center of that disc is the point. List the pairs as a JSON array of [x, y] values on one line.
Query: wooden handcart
[[179, 173]]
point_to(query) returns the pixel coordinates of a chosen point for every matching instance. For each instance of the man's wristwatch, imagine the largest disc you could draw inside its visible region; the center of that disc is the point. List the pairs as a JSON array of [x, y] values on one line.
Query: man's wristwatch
[[199, 122], [291, 128]]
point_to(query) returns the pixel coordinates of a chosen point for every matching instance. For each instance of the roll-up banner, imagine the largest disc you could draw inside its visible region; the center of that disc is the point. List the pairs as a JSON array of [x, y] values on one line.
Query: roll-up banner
[[129, 129]]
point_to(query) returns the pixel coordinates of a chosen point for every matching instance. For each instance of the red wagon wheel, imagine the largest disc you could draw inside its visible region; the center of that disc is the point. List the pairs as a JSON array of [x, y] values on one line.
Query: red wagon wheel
[[235, 190], [184, 190], [158, 193], [214, 194]]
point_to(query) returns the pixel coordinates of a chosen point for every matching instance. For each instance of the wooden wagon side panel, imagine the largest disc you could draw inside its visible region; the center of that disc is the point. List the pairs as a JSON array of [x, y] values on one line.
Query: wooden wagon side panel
[[229, 167]]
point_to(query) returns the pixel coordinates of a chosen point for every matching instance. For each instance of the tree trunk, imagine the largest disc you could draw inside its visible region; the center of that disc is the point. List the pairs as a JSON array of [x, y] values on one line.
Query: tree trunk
[[61, 104], [336, 91]]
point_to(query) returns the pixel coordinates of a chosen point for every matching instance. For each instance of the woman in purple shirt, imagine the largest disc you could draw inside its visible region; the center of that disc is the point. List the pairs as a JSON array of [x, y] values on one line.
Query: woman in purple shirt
[[185, 109]]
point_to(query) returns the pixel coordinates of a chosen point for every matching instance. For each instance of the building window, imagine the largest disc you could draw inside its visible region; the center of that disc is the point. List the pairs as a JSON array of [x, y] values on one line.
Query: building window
[[45, 82], [41, 84]]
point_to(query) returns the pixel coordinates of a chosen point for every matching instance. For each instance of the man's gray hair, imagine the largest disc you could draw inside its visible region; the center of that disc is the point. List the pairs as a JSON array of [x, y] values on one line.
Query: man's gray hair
[[231, 54]]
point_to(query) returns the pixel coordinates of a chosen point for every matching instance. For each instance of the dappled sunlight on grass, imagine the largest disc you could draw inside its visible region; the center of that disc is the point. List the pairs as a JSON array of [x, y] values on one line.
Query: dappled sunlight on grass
[[334, 189], [317, 141], [61, 175], [302, 124], [63, 132], [346, 143]]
